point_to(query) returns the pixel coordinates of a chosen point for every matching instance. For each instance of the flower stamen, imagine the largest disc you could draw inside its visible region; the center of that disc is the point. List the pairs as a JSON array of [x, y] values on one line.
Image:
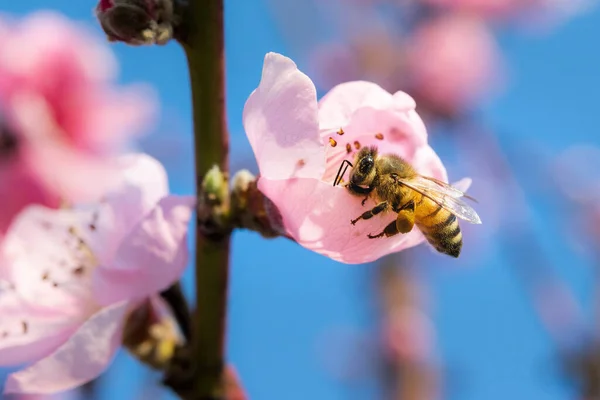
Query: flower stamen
[[92, 225], [24, 329]]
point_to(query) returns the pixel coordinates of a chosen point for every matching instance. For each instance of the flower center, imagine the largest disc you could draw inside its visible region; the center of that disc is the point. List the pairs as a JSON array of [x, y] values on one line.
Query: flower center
[[343, 144], [59, 273], [78, 263]]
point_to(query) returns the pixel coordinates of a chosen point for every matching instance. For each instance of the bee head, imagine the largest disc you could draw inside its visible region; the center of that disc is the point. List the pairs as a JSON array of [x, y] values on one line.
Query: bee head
[[364, 171]]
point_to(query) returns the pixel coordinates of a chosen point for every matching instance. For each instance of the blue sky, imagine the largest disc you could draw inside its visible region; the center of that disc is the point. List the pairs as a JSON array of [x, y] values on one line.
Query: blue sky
[[288, 304]]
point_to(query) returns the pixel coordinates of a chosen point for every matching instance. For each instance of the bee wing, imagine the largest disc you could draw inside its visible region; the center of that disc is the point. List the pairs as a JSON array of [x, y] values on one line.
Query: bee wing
[[445, 195], [457, 189], [463, 185]]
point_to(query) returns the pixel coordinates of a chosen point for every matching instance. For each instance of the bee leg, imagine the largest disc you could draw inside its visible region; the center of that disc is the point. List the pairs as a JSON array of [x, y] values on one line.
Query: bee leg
[[406, 217], [374, 211], [364, 200], [390, 230], [404, 223]]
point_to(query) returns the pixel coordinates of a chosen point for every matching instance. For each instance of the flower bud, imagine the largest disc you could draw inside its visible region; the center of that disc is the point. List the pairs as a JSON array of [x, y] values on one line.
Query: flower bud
[[137, 22], [214, 186], [252, 210], [151, 334], [213, 204]]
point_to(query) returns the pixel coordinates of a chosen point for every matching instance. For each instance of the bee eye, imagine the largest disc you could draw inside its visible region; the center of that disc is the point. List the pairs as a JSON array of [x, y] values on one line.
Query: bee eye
[[365, 165]]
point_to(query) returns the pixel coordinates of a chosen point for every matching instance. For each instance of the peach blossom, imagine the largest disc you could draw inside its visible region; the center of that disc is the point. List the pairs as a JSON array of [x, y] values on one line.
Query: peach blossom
[[70, 277], [62, 120], [299, 144], [502, 9], [453, 61]]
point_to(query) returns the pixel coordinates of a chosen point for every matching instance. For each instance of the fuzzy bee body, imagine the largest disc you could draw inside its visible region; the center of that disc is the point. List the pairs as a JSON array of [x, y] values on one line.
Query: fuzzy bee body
[[433, 206], [439, 226]]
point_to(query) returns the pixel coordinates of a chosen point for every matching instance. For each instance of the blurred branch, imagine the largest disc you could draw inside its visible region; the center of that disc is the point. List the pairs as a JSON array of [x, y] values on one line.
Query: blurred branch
[[407, 334]]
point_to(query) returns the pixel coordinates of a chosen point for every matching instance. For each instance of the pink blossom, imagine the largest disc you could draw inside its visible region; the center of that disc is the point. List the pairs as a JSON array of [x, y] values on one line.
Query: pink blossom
[[299, 144], [453, 61], [377, 56], [408, 335], [71, 395], [61, 119], [334, 63], [488, 8], [502, 9], [69, 277]]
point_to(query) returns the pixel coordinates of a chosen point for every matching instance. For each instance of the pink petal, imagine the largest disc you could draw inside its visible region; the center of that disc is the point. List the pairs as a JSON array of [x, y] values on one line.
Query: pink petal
[[143, 183], [427, 163], [400, 133], [45, 37], [119, 113], [338, 106], [321, 221], [40, 254], [29, 332], [280, 118], [151, 258], [57, 94], [18, 175], [82, 358]]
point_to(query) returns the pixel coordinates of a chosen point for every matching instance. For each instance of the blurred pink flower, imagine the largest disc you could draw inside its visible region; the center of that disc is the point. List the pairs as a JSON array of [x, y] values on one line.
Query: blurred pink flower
[[376, 56], [408, 335], [501, 9], [71, 395], [487, 8], [61, 120], [453, 61], [334, 63], [299, 145], [69, 277]]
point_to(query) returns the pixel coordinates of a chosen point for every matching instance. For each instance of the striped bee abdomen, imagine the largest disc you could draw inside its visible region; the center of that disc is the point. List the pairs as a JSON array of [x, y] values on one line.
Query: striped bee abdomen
[[440, 228]]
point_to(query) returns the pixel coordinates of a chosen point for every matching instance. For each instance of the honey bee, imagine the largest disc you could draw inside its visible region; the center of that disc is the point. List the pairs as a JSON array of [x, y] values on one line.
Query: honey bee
[[419, 200]]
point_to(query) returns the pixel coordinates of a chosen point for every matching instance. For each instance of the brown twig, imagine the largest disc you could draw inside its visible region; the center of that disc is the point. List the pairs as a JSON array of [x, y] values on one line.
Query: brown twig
[[202, 37], [409, 371]]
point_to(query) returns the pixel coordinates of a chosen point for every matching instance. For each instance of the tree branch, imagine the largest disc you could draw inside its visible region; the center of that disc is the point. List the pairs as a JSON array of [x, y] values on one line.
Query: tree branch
[[203, 41]]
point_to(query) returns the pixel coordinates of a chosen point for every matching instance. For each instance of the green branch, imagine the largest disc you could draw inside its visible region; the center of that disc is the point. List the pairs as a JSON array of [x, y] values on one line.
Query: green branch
[[203, 42]]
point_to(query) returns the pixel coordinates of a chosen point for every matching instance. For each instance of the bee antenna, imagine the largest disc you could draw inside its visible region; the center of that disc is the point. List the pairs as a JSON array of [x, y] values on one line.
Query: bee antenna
[[340, 174]]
